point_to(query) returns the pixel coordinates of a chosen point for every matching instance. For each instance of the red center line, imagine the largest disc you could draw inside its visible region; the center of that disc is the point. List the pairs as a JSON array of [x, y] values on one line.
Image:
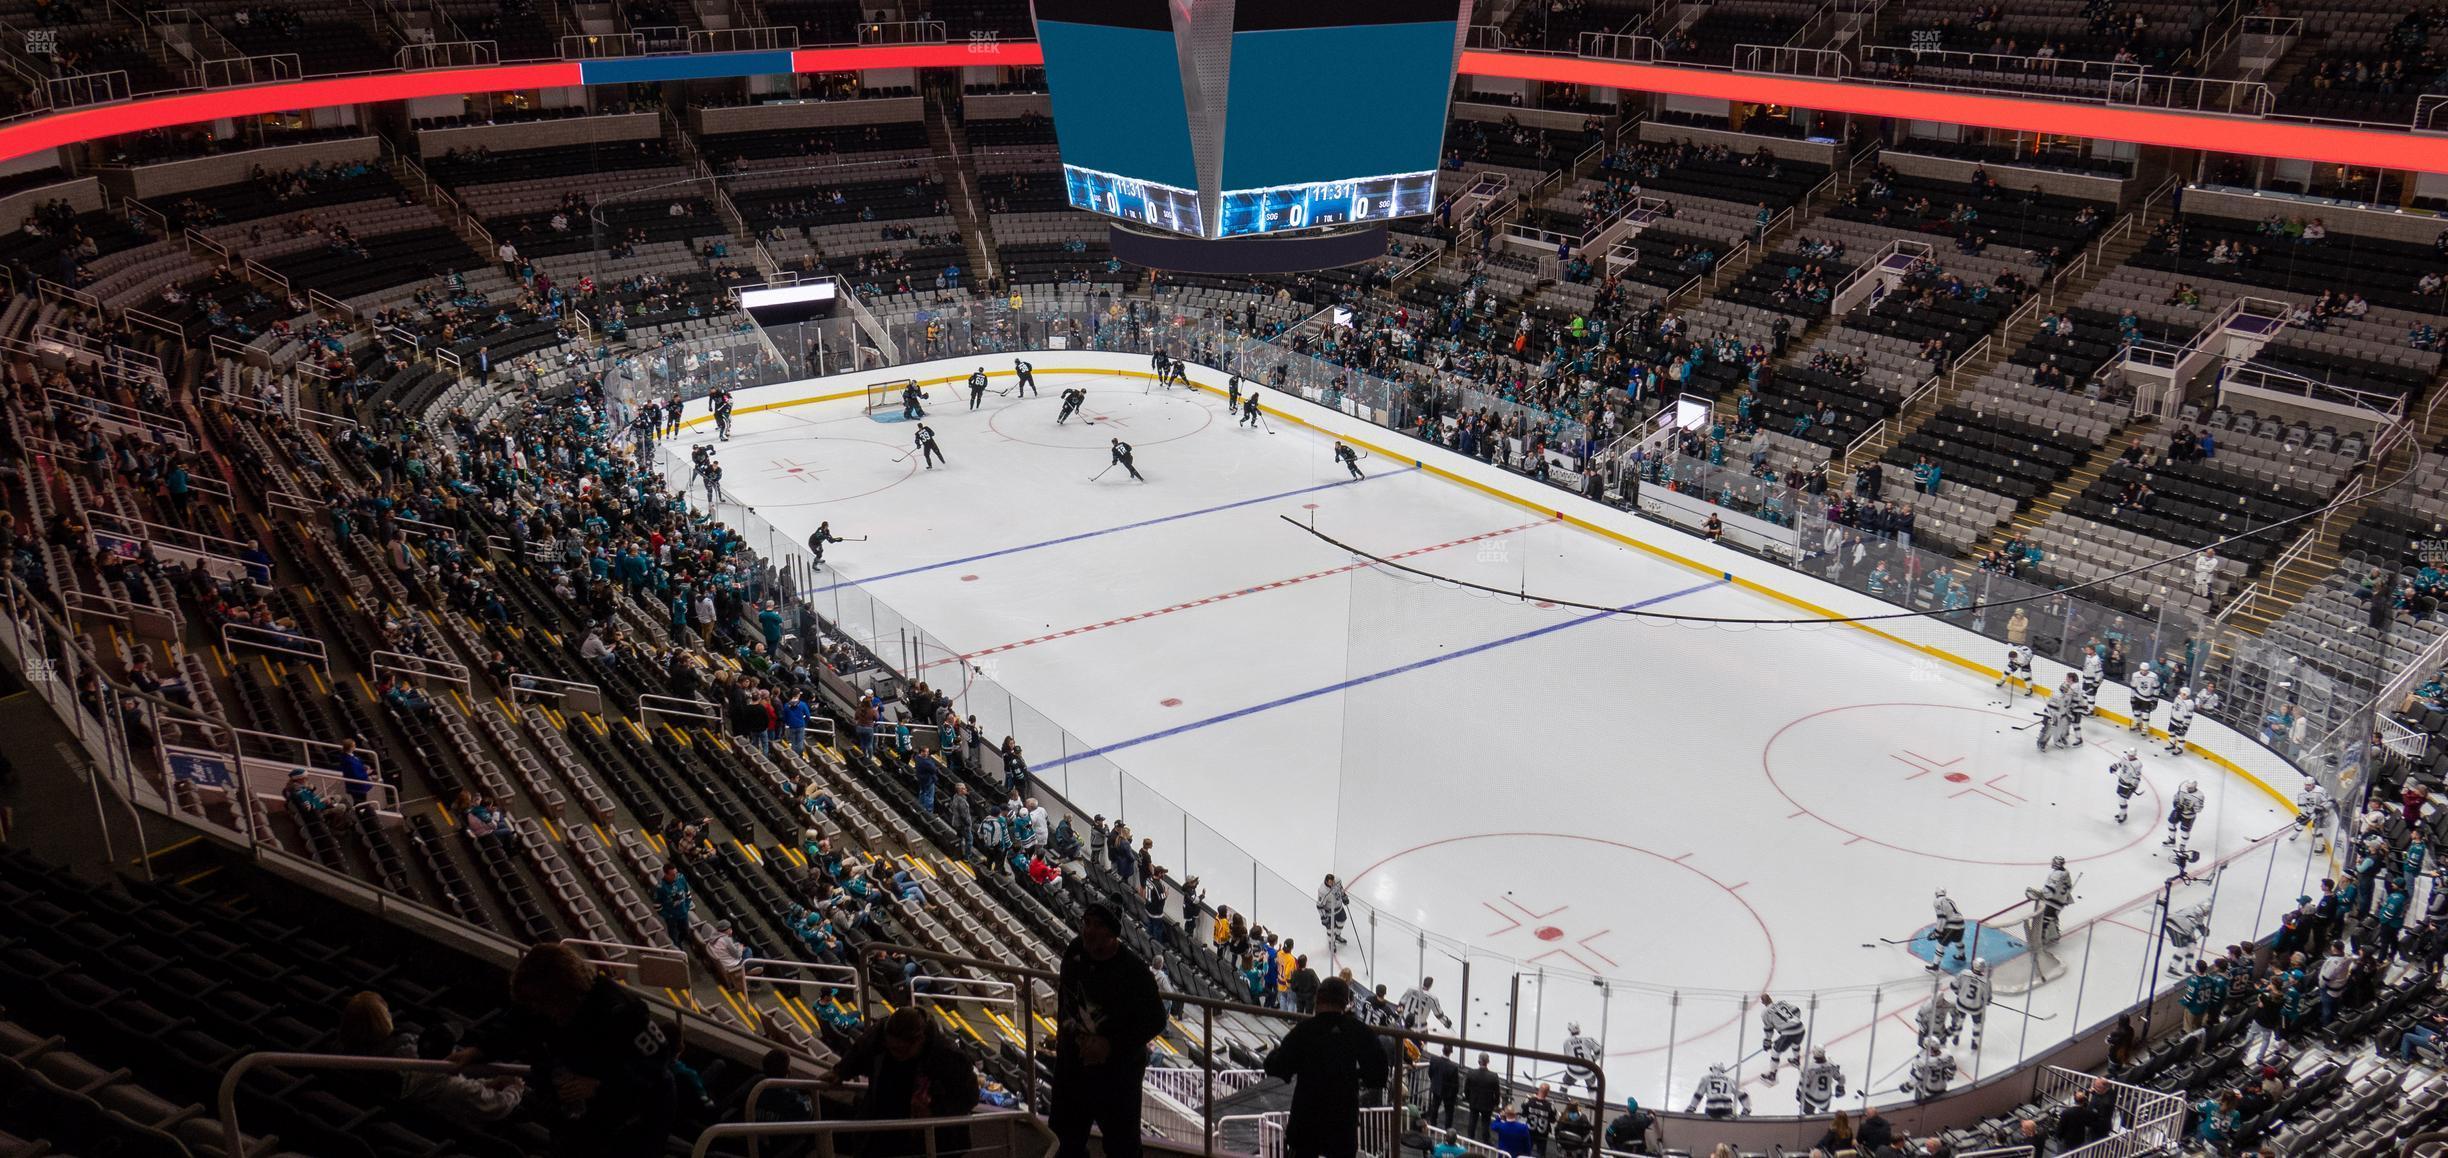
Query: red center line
[[1214, 599]]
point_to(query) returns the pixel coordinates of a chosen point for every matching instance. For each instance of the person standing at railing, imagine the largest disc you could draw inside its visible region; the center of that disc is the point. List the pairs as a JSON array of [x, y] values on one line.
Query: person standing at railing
[[1480, 1091], [911, 1072], [1107, 1012], [1328, 1059], [1444, 1088]]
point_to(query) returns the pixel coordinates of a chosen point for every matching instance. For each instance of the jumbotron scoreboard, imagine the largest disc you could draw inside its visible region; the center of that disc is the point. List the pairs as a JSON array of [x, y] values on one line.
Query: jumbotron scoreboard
[[1221, 119]]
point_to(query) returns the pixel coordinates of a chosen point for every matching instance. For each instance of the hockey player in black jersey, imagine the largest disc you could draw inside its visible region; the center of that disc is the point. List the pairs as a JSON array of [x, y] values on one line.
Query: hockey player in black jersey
[[1249, 409], [977, 386], [1027, 377], [1122, 458], [1348, 457], [928, 452], [1072, 400]]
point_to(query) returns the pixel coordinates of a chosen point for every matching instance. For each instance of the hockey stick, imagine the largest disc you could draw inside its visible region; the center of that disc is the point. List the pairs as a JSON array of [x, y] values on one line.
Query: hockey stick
[[905, 454], [854, 538], [2023, 1012], [1101, 474]]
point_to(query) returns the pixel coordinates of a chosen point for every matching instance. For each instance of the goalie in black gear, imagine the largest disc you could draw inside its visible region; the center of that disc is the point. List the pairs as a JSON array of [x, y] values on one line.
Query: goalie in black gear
[[2018, 673], [2128, 773], [1821, 1083], [1718, 1095], [1781, 1032], [1072, 400], [911, 396]]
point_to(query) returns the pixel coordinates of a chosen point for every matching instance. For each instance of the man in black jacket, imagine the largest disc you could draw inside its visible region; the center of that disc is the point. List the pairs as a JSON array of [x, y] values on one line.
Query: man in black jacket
[[1328, 1058], [1444, 1087], [1479, 1093], [1875, 1131], [912, 1072], [1108, 1011], [600, 1072]]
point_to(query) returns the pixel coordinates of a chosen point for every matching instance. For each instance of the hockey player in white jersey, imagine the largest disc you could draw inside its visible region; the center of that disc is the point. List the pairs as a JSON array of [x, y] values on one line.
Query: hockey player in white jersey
[[1946, 930], [1930, 1022], [2128, 773], [2145, 696], [2182, 812], [2018, 673], [1821, 1083], [2053, 895], [1781, 1030], [1930, 1074], [1971, 1004], [2186, 930], [2092, 673], [1584, 1048], [2084, 703], [2180, 721], [1718, 1095], [1418, 1005], [2061, 717], [1333, 909], [2313, 811]]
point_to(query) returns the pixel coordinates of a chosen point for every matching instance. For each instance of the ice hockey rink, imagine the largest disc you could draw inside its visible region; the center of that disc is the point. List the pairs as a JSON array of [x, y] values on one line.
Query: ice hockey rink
[[1642, 825]]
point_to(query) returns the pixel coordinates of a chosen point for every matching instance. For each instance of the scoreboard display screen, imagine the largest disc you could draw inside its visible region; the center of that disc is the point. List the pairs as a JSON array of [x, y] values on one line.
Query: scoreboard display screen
[[1144, 202], [1120, 113], [1336, 112], [1314, 206], [1243, 118]]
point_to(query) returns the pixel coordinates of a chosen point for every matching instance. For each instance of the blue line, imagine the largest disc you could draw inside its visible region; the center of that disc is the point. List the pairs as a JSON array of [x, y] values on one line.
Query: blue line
[[1373, 677], [1102, 531]]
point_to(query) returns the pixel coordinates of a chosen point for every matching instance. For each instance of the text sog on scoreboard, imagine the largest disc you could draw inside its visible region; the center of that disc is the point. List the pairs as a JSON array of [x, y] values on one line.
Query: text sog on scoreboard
[[1230, 118]]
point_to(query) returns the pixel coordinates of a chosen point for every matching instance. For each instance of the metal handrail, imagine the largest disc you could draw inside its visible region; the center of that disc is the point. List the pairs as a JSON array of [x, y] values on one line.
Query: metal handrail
[[1208, 1008], [929, 1127], [233, 1141]]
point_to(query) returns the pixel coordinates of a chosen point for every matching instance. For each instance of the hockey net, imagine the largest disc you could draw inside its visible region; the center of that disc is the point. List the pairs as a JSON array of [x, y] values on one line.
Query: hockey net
[[2038, 963], [885, 396]]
